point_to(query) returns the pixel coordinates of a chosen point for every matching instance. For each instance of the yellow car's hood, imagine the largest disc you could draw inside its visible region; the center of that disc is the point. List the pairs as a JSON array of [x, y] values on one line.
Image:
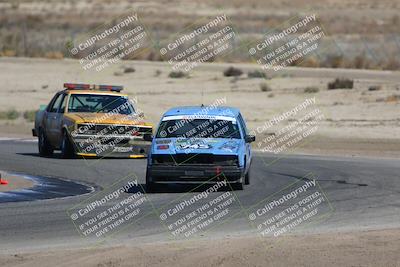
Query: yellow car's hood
[[105, 118]]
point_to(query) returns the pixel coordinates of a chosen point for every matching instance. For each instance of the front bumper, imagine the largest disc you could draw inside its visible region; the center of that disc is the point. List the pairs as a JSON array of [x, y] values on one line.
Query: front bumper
[[209, 173], [111, 146]]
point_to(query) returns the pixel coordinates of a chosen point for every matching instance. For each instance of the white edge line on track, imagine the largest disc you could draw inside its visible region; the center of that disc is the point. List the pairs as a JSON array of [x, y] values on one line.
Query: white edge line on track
[[29, 140]]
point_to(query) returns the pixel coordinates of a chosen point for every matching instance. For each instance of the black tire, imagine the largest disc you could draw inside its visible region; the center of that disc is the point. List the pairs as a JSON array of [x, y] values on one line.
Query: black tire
[[237, 186], [150, 186], [67, 149], [247, 177], [45, 149]]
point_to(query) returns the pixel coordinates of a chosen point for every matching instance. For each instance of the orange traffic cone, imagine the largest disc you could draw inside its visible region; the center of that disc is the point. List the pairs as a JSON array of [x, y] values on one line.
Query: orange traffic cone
[[2, 181]]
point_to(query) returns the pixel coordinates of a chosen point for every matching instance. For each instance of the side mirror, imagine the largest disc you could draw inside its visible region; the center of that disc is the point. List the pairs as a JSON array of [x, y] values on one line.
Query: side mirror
[[250, 138], [148, 137]]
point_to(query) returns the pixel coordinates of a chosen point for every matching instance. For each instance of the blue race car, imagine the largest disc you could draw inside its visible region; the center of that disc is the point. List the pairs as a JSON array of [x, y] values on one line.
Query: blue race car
[[200, 145]]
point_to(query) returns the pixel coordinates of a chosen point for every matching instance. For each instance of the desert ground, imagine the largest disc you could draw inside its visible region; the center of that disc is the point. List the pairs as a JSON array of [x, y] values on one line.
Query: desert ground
[[366, 31]]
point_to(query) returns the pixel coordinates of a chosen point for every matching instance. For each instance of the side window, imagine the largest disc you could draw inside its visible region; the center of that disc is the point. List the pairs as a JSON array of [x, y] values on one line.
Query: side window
[[63, 104], [55, 104], [50, 105], [242, 125]]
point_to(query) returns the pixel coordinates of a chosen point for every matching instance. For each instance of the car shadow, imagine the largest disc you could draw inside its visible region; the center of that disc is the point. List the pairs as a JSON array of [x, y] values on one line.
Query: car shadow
[[174, 188], [29, 154], [57, 155], [54, 156]]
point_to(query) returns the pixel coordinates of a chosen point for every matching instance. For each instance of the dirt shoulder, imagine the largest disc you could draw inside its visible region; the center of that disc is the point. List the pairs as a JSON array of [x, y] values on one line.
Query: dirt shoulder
[[367, 248], [351, 147]]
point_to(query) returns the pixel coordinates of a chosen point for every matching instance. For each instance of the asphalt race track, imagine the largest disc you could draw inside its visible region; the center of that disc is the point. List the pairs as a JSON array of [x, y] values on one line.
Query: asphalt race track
[[362, 193]]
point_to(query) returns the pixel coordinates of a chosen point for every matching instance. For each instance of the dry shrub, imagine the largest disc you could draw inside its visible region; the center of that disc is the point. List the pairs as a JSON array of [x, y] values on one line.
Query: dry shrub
[[393, 98], [10, 114], [310, 62], [157, 73], [311, 89], [338, 103], [15, 5], [257, 74], [153, 56], [341, 83], [374, 88], [8, 53], [129, 69], [360, 62], [335, 62], [232, 71], [264, 87], [177, 74], [30, 115], [392, 64], [54, 55]]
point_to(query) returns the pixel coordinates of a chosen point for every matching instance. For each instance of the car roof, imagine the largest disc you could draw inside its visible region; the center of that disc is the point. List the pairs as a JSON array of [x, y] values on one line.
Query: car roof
[[92, 92], [203, 110]]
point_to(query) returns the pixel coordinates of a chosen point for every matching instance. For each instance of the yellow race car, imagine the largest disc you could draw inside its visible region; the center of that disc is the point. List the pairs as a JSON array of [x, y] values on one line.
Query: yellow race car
[[91, 121]]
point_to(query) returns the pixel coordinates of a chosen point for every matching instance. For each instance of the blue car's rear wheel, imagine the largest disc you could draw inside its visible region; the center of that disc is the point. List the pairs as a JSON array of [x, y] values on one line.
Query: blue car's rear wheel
[[150, 186]]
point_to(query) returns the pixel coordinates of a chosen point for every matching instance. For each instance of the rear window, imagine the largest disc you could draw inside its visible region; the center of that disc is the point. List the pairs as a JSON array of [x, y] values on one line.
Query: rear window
[[100, 104], [198, 128]]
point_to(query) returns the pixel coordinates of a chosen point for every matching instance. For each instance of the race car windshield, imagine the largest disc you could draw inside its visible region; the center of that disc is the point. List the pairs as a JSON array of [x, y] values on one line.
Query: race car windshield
[[198, 128], [100, 104]]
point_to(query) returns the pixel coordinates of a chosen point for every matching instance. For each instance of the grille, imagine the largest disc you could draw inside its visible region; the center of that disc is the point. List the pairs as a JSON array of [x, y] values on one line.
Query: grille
[[104, 129], [200, 159]]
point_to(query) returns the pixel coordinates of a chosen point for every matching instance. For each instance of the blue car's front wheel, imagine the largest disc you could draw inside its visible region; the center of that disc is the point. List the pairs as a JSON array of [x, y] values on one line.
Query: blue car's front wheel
[[247, 177], [237, 186]]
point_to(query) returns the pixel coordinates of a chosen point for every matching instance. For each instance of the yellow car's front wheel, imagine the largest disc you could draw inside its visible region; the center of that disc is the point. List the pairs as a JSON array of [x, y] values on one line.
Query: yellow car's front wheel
[[67, 149]]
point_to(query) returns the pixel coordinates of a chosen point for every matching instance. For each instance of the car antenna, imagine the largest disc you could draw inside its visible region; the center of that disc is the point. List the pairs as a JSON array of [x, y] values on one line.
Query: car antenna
[[202, 98]]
